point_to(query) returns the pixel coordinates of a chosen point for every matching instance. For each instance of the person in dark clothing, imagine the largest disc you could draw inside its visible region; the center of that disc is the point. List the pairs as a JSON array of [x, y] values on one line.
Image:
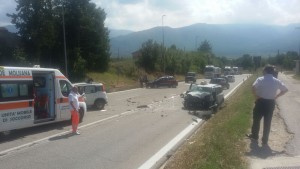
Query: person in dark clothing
[[265, 90]]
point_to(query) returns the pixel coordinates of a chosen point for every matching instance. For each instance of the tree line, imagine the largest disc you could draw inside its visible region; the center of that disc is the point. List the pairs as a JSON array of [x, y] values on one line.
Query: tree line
[[156, 58]]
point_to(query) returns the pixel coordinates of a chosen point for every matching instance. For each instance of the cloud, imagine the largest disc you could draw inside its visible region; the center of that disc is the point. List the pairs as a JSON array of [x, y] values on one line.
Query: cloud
[[144, 14], [139, 15], [6, 7]]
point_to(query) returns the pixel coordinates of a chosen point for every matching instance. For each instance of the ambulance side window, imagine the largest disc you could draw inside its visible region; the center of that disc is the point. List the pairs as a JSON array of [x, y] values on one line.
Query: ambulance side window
[[65, 87], [16, 90]]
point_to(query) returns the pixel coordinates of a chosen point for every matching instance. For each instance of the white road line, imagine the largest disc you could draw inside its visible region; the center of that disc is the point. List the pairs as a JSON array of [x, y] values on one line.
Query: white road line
[[156, 157], [2, 153]]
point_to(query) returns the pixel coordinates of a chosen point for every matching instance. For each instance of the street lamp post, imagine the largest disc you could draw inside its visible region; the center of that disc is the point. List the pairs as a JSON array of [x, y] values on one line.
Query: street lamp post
[[163, 43], [298, 28], [65, 46]]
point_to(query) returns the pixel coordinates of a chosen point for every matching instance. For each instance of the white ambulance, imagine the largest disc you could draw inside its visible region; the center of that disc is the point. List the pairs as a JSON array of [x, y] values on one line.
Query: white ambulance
[[34, 96]]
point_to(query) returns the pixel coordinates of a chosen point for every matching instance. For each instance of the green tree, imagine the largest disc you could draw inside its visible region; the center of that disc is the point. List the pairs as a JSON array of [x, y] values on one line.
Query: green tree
[[40, 25], [245, 61], [35, 22], [149, 55], [205, 47], [206, 50]]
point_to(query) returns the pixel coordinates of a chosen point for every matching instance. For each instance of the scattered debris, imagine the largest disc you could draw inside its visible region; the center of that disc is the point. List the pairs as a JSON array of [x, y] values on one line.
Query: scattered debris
[[143, 106]]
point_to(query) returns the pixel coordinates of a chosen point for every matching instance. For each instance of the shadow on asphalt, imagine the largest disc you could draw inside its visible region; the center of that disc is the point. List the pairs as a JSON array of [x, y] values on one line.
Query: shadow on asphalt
[[22, 133], [64, 136], [263, 151]]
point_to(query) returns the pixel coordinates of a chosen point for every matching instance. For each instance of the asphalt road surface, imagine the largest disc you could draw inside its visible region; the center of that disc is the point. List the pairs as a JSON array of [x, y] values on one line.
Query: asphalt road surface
[[284, 142], [290, 111], [140, 128]]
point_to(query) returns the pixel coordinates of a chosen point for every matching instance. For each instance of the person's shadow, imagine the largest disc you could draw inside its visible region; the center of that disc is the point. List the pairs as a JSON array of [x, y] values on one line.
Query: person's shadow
[[64, 136], [263, 151]]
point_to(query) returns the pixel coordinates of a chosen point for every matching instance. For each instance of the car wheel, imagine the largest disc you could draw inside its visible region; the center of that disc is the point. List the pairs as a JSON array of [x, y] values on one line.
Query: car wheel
[[155, 86], [99, 104]]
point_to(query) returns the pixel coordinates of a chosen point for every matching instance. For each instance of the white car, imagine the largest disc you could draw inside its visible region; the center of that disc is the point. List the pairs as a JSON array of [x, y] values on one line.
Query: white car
[[94, 93]]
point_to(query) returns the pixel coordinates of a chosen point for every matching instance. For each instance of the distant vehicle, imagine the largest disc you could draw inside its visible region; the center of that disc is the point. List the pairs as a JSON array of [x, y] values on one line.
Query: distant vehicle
[[230, 78], [94, 93], [190, 77], [237, 70], [166, 81], [211, 71], [220, 81], [203, 97], [228, 71]]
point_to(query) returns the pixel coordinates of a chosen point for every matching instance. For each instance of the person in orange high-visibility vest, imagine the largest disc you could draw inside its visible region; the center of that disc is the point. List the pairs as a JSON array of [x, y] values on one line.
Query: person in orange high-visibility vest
[[74, 107]]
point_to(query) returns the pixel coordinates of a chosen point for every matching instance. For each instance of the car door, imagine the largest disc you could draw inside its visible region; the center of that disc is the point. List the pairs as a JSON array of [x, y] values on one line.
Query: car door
[[90, 94]]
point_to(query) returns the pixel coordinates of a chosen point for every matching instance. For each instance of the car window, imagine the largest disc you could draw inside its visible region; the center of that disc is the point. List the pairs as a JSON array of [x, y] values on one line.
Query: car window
[[65, 87], [99, 88], [90, 89]]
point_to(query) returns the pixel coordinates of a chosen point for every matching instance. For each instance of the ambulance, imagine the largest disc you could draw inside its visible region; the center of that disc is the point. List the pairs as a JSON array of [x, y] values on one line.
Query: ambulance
[[34, 96]]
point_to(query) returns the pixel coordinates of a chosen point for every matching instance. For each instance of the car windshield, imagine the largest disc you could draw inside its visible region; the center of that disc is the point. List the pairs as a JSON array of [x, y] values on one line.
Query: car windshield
[[200, 88], [190, 74]]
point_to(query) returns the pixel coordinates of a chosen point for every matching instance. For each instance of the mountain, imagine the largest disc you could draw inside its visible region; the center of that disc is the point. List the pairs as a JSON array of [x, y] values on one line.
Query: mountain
[[11, 28], [229, 40], [115, 33]]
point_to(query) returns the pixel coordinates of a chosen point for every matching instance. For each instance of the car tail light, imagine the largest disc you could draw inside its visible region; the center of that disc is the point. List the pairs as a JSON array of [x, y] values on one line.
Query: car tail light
[[103, 88]]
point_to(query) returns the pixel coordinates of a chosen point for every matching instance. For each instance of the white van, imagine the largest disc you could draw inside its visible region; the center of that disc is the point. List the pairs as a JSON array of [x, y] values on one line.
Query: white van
[[34, 96]]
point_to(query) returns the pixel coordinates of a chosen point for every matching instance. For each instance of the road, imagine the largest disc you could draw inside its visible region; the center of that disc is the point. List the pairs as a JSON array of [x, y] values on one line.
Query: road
[[284, 141], [289, 110], [139, 129]]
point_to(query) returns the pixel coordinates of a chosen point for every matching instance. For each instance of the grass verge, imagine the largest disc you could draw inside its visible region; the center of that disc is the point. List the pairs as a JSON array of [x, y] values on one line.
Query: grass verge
[[219, 143]]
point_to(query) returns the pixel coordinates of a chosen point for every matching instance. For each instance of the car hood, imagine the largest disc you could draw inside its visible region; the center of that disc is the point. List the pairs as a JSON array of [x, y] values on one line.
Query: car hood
[[198, 94]]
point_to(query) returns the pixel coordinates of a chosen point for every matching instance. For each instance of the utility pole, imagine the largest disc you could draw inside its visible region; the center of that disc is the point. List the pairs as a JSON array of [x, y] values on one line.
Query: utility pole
[[299, 41], [65, 46], [163, 44]]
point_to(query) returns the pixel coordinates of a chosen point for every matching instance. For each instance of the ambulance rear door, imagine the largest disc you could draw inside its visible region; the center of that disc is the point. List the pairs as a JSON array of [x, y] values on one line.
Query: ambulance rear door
[[16, 99]]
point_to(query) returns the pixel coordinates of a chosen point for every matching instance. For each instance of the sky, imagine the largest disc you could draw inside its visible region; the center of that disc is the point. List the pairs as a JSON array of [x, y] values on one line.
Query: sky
[[136, 15]]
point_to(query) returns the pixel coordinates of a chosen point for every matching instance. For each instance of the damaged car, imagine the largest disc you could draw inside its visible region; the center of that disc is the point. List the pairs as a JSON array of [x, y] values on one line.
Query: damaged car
[[203, 97]]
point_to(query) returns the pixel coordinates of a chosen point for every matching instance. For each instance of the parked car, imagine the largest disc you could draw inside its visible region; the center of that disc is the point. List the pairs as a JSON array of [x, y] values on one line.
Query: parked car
[[230, 78], [166, 81], [190, 77], [94, 93], [220, 81], [203, 97]]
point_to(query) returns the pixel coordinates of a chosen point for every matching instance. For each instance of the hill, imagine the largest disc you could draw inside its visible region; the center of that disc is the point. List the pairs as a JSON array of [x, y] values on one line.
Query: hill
[[230, 40]]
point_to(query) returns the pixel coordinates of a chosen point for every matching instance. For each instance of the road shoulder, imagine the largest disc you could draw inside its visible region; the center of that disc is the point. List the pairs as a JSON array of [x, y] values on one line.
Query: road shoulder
[[273, 155]]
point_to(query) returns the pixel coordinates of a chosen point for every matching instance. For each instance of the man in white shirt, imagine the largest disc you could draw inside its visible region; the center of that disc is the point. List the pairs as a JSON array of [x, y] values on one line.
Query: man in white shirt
[[74, 107], [265, 90]]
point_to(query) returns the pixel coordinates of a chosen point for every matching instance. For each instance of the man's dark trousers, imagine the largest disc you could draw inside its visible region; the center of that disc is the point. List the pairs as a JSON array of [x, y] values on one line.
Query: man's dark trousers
[[263, 108]]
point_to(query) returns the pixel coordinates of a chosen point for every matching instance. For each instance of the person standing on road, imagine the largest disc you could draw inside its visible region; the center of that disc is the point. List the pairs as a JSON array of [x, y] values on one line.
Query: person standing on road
[[265, 90], [74, 107]]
